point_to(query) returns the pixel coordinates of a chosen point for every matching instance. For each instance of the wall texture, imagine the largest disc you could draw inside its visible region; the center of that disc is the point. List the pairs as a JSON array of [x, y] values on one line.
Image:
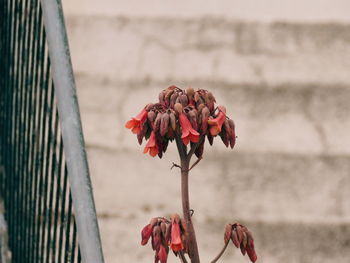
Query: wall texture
[[281, 69]]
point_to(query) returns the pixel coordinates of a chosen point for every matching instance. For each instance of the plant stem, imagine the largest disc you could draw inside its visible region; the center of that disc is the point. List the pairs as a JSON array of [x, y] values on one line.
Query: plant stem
[[192, 243], [220, 253]]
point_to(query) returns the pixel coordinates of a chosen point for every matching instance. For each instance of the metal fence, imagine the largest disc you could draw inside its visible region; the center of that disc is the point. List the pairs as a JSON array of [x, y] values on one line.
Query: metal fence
[[36, 175]]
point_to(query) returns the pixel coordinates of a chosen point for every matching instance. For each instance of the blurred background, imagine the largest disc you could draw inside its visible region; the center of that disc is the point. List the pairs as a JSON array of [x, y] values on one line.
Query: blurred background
[[282, 68]]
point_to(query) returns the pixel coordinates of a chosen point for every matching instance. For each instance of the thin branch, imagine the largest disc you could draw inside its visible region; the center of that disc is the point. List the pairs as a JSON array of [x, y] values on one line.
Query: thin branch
[[221, 252], [182, 257], [195, 163]]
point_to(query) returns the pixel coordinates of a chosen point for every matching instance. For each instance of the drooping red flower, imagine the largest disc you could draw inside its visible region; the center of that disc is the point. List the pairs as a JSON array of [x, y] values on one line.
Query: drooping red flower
[[146, 234], [176, 241], [151, 145], [216, 124], [188, 133], [135, 124]]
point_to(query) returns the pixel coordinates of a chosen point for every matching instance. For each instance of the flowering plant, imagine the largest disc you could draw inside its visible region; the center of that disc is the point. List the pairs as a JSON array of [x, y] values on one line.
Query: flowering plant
[[187, 117]]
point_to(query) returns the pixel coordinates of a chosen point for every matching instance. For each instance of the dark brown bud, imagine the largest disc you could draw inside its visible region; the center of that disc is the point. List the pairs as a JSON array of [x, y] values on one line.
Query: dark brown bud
[[200, 149], [167, 235], [196, 96], [151, 116], [173, 99], [163, 228], [233, 133], [234, 238], [205, 116], [210, 138], [211, 97], [193, 119], [156, 238], [184, 100], [161, 97], [157, 122], [164, 124], [149, 106]]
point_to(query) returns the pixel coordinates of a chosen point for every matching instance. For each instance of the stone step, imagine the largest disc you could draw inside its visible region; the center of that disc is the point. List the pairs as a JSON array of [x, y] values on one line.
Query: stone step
[[289, 118], [243, 185], [274, 242], [210, 49]]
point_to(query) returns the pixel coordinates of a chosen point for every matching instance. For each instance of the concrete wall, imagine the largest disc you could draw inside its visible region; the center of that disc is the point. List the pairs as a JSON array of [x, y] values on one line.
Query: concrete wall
[[286, 85]]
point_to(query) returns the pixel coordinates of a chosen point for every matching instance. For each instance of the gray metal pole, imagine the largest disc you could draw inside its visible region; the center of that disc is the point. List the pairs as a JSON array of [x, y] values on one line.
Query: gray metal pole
[[73, 141]]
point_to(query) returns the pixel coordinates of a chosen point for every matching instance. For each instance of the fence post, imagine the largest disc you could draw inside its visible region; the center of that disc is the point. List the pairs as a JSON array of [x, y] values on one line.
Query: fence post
[[74, 148]]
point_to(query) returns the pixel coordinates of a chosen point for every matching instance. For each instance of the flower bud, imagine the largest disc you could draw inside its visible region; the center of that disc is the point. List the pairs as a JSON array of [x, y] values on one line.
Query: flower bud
[[196, 96], [173, 120], [190, 92], [173, 99], [193, 119], [178, 107], [234, 238], [164, 124], [146, 234], [205, 117], [233, 133], [199, 150], [228, 230], [156, 238], [149, 106], [184, 100], [151, 116], [157, 121], [161, 97]]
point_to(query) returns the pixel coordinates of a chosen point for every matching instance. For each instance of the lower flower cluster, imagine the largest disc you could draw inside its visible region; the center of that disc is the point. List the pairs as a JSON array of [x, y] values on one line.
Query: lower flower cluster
[[242, 238], [165, 234]]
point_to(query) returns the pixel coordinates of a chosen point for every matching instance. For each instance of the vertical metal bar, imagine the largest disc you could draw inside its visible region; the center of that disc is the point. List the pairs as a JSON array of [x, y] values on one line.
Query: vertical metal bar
[[85, 213]]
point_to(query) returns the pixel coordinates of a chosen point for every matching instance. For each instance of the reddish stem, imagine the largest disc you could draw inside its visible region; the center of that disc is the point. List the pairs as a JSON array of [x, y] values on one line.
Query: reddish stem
[[185, 164]]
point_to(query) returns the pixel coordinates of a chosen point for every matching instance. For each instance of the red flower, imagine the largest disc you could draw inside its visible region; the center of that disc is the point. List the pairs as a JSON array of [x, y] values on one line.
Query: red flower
[[176, 242], [151, 145], [135, 124], [216, 123], [188, 133]]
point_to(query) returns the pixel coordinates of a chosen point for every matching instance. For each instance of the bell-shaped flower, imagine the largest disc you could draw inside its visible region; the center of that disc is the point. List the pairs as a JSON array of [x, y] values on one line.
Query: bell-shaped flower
[[151, 145], [135, 124], [216, 124], [176, 241], [188, 133]]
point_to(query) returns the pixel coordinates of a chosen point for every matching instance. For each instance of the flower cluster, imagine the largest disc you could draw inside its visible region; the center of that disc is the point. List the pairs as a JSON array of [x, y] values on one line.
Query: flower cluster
[[185, 114], [242, 238], [165, 233]]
